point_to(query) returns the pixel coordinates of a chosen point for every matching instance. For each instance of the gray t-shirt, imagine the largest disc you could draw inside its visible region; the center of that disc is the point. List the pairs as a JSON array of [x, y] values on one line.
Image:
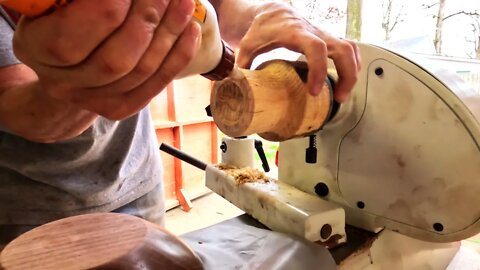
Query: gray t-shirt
[[109, 165], [6, 35]]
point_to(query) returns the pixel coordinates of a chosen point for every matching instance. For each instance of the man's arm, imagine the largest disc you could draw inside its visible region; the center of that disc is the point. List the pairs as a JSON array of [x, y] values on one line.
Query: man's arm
[[27, 111], [235, 18], [124, 54]]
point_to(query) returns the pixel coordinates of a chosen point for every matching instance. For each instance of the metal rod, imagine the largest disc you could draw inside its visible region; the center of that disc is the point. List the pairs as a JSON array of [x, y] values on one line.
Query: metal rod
[[183, 156]]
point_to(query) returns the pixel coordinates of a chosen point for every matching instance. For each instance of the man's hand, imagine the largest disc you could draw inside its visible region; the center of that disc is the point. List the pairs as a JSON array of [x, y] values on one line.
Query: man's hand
[[112, 56], [275, 25]]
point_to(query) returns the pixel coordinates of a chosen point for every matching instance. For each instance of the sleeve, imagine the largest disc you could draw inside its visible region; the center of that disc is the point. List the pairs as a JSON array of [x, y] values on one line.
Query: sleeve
[[7, 57]]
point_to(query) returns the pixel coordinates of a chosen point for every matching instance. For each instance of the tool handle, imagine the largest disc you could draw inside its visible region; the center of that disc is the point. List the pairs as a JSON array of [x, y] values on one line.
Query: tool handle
[[183, 156], [33, 8]]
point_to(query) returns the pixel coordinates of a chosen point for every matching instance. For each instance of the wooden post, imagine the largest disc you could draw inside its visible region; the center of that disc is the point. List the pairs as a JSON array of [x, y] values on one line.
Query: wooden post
[[271, 101]]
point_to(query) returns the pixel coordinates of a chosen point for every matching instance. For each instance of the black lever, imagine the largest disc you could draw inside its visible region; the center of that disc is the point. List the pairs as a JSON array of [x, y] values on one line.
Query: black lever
[[183, 156], [208, 110], [261, 154]]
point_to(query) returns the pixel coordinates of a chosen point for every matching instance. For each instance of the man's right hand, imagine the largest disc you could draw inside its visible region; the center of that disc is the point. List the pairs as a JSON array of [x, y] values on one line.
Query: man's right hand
[[111, 56]]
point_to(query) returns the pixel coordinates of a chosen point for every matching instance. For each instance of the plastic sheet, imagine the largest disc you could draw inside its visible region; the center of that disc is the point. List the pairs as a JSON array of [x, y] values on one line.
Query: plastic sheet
[[242, 244]]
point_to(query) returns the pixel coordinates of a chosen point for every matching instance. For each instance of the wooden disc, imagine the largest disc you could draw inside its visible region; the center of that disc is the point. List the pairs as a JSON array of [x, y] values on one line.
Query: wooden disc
[[98, 241]]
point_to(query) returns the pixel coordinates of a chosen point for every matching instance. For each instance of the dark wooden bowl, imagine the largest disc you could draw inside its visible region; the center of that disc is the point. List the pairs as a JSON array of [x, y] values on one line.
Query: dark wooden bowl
[[99, 241]]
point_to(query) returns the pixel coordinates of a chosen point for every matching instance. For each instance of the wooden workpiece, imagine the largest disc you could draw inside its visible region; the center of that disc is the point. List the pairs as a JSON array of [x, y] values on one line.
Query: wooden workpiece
[[99, 241], [272, 101]]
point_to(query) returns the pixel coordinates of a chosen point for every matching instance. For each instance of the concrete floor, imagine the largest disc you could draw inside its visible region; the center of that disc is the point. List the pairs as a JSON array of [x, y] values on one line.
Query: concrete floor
[[207, 210]]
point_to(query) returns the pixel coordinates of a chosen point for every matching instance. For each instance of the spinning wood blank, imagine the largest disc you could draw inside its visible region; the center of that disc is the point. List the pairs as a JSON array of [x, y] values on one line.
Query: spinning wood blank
[[99, 241], [271, 101]]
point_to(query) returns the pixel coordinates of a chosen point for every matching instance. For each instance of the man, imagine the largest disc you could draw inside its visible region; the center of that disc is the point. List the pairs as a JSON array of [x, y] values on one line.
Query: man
[[75, 136]]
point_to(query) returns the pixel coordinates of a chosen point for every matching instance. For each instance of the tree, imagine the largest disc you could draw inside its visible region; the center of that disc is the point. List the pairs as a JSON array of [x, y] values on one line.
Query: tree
[[391, 18], [475, 39], [440, 18], [354, 20], [313, 11]]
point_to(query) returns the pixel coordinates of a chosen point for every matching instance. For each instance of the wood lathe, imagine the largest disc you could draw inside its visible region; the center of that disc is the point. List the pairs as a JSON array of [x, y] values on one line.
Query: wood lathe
[[387, 180], [271, 101], [399, 159]]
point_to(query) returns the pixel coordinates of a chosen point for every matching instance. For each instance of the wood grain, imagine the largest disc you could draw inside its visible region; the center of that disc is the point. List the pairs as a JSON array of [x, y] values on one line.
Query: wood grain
[[99, 241], [271, 101]]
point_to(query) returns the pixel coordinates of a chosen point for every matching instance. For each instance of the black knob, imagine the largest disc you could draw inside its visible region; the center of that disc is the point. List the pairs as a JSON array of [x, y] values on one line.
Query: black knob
[[321, 189], [223, 147], [360, 204], [311, 153]]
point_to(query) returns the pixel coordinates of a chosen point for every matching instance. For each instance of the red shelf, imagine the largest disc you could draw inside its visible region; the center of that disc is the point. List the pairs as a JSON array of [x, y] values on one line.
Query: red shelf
[[180, 120]]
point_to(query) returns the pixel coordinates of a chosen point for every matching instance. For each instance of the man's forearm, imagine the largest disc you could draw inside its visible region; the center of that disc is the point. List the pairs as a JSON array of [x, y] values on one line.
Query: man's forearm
[[29, 112], [235, 18]]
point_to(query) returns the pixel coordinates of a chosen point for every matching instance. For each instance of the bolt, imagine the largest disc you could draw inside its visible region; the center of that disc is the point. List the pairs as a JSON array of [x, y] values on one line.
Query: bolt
[[311, 153], [326, 231], [322, 189], [438, 227], [223, 147], [360, 204], [379, 71]]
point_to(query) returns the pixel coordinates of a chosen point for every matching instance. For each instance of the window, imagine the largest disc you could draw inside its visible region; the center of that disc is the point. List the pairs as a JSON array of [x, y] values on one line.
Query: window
[[444, 31]]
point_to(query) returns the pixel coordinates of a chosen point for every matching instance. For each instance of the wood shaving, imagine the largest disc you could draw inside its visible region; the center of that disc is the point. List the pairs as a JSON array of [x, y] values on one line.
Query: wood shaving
[[244, 175]]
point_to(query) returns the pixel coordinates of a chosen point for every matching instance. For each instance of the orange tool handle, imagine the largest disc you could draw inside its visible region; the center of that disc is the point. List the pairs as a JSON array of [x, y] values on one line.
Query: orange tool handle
[[33, 8]]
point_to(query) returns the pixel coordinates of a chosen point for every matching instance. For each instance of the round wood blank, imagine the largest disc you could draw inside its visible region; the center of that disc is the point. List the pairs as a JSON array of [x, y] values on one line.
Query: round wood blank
[[99, 241], [272, 101]]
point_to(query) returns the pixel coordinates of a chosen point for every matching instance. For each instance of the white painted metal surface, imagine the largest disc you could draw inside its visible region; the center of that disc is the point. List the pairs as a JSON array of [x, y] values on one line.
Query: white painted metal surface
[[394, 251], [238, 152], [402, 153], [282, 207]]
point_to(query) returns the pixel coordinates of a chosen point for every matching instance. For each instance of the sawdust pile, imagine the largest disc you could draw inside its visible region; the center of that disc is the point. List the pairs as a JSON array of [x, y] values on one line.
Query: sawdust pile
[[244, 175]]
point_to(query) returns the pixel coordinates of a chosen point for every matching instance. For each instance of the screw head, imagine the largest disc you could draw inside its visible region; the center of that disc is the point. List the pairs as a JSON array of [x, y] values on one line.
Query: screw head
[[321, 189], [438, 227], [379, 71], [360, 204], [326, 231], [223, 147]]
